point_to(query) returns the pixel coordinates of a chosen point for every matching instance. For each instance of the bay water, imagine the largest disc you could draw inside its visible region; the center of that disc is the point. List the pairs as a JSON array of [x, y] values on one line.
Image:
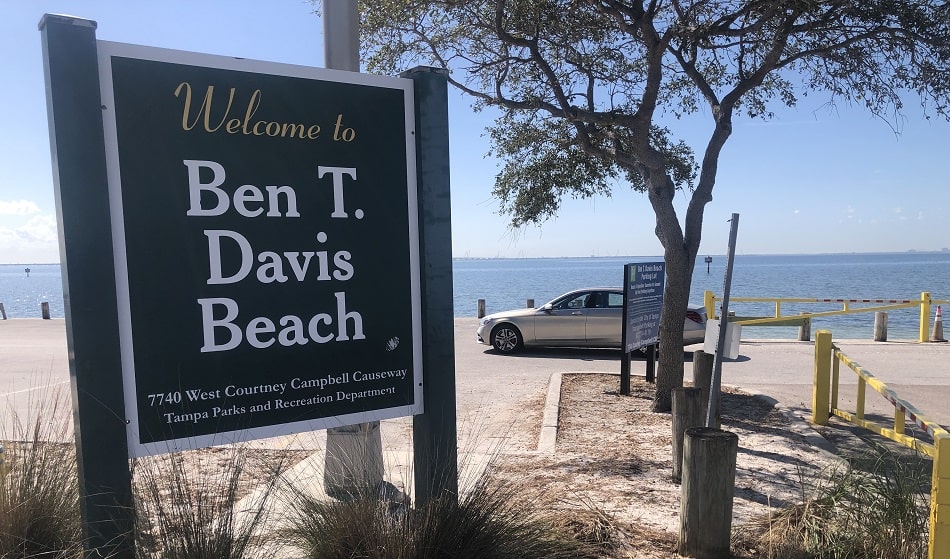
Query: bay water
[[509, 283]]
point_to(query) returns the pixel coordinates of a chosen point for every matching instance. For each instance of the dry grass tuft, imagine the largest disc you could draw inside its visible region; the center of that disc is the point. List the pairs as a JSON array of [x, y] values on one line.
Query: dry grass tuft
[[39, 490], [870, 507]]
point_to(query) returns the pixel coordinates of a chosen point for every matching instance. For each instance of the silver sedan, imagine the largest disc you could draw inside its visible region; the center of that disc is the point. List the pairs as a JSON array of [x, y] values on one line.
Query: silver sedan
[[591, 317]]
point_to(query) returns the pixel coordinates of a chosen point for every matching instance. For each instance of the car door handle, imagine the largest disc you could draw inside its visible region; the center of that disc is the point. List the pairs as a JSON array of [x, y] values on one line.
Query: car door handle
[[576, 313]]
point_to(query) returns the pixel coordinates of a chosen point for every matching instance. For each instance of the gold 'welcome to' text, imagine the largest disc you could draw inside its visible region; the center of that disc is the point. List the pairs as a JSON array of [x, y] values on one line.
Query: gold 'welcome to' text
[[192, 117]]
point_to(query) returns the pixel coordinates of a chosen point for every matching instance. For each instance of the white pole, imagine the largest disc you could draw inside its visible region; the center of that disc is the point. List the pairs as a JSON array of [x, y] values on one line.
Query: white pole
[[354, 454], [341, 35]]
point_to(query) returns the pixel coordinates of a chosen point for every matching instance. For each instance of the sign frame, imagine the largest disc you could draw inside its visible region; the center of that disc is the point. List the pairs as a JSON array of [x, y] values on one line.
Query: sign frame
[[107, 51]]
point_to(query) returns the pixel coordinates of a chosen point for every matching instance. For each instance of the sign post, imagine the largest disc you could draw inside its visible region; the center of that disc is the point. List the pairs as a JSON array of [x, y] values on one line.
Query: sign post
[[435, 432], [89, 288]]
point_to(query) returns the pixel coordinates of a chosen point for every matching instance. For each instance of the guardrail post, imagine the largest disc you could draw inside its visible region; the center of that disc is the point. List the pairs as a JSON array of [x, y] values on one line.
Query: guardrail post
[[860, 398], [900, 421], [924, 317], [940, 499], [821, 391], [835, 376], [709, 301]]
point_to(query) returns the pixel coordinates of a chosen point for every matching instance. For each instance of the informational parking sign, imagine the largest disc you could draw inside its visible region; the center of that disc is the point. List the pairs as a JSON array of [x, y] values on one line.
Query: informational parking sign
[[643, 303], [266, 246]]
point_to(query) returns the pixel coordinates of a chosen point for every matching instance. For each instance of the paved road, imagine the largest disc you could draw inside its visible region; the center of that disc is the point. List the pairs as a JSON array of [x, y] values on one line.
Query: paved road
[[501, 389], [779, 369], [34, 370]]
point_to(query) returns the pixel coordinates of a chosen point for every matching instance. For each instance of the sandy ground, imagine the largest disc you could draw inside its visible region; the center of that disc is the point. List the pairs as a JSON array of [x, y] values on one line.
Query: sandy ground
[[613, 456]]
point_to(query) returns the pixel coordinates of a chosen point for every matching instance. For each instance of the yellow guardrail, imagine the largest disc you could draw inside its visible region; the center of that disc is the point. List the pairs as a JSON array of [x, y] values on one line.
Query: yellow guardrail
[[848, 307], [828, 358]]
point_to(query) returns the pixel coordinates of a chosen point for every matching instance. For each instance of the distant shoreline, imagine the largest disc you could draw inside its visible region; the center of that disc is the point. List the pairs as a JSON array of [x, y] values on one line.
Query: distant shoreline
[[868, 253], [855, 253]]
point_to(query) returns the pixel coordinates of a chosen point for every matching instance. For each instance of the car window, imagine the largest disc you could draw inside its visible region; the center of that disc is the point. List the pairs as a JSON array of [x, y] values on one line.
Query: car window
[[614, 300], [574, 303], [594, 301]]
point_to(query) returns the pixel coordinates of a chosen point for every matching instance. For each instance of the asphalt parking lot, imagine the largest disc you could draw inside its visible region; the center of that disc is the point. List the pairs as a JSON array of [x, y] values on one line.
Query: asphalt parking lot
[[499, 388]]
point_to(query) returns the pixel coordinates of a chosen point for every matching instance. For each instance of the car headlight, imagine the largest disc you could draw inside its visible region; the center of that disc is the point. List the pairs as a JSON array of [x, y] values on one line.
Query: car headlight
[[485, 321]]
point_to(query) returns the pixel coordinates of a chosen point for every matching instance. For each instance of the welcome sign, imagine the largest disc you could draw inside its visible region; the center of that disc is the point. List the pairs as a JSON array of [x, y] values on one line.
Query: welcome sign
[[266, 246]]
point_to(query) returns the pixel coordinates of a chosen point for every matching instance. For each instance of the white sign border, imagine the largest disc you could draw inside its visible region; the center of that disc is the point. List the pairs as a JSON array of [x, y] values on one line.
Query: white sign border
[[107, 50]]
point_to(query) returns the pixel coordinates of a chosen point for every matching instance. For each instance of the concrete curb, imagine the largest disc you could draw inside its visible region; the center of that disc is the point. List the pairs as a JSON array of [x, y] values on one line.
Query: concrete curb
[[547, 440]]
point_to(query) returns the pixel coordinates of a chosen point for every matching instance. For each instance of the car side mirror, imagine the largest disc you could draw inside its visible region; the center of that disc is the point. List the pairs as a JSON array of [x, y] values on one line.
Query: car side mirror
[[547, 307]]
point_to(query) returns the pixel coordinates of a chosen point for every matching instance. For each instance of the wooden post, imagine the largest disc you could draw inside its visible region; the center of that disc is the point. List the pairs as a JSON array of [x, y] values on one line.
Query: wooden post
[[709, 479], [804, 331], [687, 413], [44, 310], [880, 326], [529, 304], [480, 305], [821, 383], [3, 312], [702, 376]]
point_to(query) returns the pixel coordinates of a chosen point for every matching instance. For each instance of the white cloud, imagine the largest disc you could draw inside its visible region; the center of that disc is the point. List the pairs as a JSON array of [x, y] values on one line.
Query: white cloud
[[41, 229], [18, 207], [34, 241], [920, 216]]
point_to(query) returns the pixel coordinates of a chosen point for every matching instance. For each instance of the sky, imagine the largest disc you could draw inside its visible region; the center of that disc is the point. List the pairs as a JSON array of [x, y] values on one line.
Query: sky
[[814, 180]]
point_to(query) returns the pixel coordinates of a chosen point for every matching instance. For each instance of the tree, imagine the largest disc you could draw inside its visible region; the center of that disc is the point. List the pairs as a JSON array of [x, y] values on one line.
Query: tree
[[584, 86]]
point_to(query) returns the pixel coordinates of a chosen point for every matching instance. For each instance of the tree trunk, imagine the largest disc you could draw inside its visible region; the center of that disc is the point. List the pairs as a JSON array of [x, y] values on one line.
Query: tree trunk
[[680, 245], [675, 300]]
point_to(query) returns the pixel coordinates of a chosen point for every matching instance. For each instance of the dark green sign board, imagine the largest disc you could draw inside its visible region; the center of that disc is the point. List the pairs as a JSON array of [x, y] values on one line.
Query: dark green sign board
[[266, 246], [643, 303]]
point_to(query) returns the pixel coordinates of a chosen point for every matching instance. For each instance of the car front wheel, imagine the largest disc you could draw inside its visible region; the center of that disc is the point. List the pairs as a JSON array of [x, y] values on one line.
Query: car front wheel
[[506, 338]]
